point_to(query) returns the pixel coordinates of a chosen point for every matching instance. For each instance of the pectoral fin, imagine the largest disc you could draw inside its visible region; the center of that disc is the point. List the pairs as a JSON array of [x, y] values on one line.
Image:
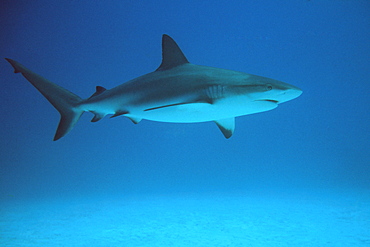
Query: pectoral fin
[[190, 105], [226, 126]]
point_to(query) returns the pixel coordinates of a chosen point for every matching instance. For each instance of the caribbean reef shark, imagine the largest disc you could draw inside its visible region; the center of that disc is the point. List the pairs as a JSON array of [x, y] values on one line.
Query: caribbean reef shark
[[177, 91]]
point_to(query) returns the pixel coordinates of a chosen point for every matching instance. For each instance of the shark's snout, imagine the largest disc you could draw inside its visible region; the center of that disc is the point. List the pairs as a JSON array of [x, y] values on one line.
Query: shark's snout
[[289, 94]]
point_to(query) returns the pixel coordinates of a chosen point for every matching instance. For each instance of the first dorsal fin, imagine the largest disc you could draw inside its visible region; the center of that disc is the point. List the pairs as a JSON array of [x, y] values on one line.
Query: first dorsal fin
[[172, 55]]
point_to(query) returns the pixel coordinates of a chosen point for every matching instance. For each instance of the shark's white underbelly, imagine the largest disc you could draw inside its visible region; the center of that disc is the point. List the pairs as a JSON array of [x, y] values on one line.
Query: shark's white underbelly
[[202, 112]]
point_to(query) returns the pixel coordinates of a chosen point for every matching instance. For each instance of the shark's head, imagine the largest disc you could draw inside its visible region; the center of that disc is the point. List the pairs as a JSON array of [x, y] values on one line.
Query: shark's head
[[281, 92], [273, 91]]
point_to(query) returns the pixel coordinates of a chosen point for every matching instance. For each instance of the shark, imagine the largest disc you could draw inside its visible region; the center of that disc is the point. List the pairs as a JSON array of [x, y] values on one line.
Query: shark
[[177, 92]]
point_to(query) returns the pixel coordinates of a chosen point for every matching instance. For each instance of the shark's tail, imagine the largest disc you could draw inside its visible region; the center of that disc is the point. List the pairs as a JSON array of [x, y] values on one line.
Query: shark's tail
[[64, 101]]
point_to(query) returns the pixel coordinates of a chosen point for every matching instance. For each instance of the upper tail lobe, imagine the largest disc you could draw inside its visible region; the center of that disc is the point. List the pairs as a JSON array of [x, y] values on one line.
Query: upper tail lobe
[[64, 101]]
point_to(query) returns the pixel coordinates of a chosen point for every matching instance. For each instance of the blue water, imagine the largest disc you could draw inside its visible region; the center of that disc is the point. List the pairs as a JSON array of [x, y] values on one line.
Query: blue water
[[298, 175]]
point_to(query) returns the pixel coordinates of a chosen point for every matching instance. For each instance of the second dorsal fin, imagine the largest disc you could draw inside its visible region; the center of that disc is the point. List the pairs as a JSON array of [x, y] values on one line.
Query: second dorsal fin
[[172, 55], [99, 90]]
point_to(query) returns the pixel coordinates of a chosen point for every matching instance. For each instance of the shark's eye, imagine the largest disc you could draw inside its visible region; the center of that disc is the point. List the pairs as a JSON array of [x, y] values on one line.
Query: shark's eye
[[269, 87]]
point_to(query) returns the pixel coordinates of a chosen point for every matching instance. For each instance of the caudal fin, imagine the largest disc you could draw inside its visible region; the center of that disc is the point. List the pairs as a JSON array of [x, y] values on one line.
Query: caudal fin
[[64, 101]]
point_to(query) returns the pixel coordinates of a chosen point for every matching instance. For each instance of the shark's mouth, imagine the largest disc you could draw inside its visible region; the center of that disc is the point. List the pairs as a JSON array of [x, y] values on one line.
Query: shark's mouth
[[269, 100]]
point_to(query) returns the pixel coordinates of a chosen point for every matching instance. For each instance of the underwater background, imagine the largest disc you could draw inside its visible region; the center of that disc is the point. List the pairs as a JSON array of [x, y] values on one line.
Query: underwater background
[[298, 175]]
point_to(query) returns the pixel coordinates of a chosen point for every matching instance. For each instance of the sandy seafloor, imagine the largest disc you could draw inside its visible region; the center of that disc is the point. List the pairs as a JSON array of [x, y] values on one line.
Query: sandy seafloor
[[259, 219]]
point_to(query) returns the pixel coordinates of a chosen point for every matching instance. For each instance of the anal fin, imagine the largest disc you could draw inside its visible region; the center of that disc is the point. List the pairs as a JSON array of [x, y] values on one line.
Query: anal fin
[[97, 117]]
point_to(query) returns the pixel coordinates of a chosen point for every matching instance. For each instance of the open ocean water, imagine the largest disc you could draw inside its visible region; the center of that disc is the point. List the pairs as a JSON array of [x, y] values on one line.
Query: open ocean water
[[298, 175]]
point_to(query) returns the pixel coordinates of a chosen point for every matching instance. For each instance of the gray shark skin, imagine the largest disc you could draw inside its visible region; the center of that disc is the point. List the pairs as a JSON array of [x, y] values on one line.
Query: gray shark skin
[[178, 92]]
